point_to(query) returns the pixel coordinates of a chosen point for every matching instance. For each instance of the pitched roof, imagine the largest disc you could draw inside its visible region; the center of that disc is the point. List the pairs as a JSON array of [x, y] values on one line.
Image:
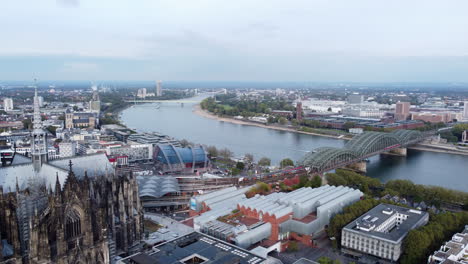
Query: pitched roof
[[94, 165]]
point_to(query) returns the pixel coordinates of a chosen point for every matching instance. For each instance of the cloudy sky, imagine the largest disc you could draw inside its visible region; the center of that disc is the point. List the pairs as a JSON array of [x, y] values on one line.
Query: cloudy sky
[[248, 40]]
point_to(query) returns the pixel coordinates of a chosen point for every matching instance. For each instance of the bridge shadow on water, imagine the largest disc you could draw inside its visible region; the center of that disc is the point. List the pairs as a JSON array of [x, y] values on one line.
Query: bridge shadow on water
[[385, 167]]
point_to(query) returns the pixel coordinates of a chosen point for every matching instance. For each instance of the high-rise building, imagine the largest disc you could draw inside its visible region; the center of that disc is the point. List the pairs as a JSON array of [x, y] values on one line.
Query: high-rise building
[[159, 88], [465, 110], [95, 103], [402, 111], [299, 111], [141, 93], [41, 101], [8, 104], [355, 98]]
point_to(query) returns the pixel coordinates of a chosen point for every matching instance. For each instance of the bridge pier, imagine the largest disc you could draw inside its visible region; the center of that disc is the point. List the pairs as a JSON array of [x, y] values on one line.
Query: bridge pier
[[403, 152], [360, 166]]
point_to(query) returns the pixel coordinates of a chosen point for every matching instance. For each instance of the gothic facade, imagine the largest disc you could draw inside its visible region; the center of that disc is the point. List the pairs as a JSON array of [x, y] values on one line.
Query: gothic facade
[[88, 220]]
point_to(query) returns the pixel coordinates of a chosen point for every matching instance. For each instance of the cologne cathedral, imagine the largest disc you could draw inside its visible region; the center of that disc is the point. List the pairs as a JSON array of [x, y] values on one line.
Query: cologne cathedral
[[66, 211]]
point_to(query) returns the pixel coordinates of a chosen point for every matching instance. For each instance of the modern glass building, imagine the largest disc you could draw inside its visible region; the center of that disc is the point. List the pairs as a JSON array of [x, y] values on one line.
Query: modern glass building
[[171, 159]]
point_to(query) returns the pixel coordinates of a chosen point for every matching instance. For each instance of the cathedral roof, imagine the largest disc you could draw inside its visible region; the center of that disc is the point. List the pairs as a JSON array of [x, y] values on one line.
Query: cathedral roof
[[25, 174], [96, 164], [20, 159], [93, 164]]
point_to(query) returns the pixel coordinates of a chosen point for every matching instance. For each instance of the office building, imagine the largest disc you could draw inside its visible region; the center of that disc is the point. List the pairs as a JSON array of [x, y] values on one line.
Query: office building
[[134, 152], [402, 111], [159, 89], [67, 149], [141, 93], [41, 101], [454, 251], [355, 98], [380, 231], [95, 103], [432, 117], [8, 104]]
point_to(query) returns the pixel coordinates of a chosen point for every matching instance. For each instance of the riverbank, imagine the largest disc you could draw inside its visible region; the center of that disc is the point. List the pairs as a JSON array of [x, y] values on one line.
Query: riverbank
[[438, 149], [199, 111]]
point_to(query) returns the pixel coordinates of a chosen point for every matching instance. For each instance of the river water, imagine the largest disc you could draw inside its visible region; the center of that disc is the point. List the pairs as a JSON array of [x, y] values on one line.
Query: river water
[[180, 122]]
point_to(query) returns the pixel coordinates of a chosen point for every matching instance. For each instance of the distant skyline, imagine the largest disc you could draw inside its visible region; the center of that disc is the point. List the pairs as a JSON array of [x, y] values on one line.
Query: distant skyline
[[245, 40]]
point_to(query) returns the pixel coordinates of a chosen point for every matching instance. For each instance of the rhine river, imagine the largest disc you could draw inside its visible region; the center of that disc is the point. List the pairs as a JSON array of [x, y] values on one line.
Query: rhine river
[[180, 122]]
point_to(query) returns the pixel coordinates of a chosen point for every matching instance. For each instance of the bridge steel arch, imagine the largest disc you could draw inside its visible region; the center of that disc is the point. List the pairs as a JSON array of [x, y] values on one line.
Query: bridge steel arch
[[406, 136], [360, 147], [327, 158], [371, 142]]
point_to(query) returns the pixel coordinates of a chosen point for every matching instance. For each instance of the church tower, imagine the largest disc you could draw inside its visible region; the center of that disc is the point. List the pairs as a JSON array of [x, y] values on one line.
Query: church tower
[[38, 137]]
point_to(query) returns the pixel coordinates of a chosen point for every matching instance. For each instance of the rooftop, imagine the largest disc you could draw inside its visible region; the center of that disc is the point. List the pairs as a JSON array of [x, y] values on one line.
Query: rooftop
[[452, 251], [371, 223], [196, 248]]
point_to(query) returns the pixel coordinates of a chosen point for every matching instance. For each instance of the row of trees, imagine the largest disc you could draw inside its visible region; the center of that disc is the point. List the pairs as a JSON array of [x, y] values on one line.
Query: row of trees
[[230, 105], [433, 195], [349, 214]]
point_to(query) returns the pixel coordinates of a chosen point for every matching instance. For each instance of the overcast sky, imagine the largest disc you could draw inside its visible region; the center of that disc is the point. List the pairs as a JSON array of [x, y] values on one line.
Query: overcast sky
[[271, 40]]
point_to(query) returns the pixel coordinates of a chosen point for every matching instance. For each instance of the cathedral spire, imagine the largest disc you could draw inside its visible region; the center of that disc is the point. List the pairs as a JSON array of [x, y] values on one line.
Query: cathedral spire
[[57, 184]]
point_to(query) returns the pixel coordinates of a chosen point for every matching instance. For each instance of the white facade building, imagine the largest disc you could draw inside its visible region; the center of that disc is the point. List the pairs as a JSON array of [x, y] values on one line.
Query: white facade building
[[40, 99], [8, 104], [134, 152], [380, 231], [67, 149], [141, 93], [159, 88]]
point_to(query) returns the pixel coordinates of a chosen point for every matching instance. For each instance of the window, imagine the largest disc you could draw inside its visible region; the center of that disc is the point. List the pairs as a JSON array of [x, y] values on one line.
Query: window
[[73, 225]]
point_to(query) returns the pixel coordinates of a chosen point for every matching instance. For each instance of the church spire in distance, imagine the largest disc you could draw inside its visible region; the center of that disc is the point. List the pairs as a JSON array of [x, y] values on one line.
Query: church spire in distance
[[37, 121], [38, 136]]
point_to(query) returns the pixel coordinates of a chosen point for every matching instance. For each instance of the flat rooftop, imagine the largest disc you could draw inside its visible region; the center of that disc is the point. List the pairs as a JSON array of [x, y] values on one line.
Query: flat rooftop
[[368, 223], [197, 248]]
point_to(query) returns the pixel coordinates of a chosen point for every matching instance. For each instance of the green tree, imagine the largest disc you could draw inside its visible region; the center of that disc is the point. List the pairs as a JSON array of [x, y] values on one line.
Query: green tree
[[264, 161], [185, 143], [282, 121], [316, 181], [235, 171], [348, 125], [240, 166], [271, 120], [286, 162], [325, 260], [225, 153], [249, 158], [27, 124], [212, 151], [292, 246]]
